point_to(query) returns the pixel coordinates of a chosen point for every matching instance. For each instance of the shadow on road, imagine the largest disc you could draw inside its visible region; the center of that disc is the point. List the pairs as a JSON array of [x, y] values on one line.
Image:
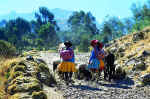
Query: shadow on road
[[85, 87], [124, 84]]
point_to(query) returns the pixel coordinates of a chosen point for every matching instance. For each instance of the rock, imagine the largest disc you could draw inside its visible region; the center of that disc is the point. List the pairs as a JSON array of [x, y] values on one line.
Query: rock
[[139, 49], [44, 75], [121, 49], [121, 54], [146, 53], [107, 45], [139, 85], [127, 44], [113, 50], [139, 66], [130, 62], [138, 36], [38, 60], [29, 58], [146, 78], [131, 54]]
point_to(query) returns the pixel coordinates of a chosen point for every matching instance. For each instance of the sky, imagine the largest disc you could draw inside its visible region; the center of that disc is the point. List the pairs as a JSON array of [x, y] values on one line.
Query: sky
[[99, 8]]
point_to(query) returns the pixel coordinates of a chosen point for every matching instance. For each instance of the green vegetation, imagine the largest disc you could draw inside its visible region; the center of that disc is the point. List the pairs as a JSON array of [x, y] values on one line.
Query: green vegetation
[[43, 33], [39, 95], [6, 49]]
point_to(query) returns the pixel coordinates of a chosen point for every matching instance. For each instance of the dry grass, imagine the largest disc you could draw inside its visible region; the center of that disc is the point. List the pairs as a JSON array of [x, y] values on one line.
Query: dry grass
[[4, 66], [135, 49], [146, 71]]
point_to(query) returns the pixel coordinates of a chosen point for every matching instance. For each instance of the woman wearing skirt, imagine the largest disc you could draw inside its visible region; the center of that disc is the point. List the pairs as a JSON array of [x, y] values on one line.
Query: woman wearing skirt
[[67, 66]]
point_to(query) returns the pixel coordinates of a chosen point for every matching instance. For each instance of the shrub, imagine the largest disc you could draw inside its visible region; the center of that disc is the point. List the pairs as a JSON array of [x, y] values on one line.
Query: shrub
[[43, 67], [6, 49], [19, 68], [39, 95]]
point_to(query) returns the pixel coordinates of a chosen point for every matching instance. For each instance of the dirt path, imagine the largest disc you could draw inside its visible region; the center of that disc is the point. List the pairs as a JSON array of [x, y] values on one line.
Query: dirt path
[[93, 90]]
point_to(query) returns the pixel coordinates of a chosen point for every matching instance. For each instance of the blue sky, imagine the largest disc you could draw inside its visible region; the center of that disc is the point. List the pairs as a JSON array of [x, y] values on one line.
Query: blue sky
[[99, 8]]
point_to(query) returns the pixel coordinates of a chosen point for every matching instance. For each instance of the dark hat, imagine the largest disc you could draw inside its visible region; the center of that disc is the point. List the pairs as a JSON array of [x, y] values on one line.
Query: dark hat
[[68, 43]]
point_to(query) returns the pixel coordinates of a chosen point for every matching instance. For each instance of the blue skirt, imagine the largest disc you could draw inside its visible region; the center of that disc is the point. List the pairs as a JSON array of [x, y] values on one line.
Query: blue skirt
[[94, 64]]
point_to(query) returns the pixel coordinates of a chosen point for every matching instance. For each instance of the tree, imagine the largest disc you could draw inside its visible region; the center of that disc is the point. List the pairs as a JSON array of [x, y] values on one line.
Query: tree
[[18, 26], [128, 25], [84, 43], [2, 34], [44, 16], [82, 27], [15, 30], [141, 15], [84, 20], [113, 28], [48, 34]]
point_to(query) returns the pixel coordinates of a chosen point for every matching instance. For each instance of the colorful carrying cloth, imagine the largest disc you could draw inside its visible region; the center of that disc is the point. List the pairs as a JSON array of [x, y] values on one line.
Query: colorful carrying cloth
[[94, 64], [67, 67], [101, 64], [73, 58]]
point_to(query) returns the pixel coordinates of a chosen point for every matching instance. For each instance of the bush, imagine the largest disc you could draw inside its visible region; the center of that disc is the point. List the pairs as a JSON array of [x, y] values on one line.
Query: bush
[[44, 75], [19, 68], [39, 95], [6, 49], [23, 84]]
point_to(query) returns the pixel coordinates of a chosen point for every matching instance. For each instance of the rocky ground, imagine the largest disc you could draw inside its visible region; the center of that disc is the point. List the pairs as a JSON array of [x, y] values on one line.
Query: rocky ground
[[132, 53], [125, 89], [34, 78]]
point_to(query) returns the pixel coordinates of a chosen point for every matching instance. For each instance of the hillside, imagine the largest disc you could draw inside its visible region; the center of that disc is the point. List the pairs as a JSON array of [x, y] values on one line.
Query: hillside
[[31, 78], [133, 52]]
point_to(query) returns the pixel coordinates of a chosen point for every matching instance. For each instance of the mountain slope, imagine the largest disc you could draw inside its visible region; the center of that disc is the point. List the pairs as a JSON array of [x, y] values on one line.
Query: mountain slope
[[133, 53]]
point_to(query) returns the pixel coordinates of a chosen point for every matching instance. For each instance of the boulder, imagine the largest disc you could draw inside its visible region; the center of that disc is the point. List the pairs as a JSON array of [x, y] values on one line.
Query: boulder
[[138, 36], [146, 79], [121, 49], [29, 58], [139, 66], [131, 54], [121, 54], [38, 60], [130, 62], [127, 44], [146, 53], [113, 49]]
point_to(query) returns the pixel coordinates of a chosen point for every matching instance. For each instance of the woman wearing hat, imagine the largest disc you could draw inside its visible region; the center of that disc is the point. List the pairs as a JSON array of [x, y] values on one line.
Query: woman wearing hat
[[93, 61], [67, 66]]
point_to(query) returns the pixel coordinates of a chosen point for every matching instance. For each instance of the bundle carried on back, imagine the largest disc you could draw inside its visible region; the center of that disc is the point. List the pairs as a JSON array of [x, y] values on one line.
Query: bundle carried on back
[[66, 54]]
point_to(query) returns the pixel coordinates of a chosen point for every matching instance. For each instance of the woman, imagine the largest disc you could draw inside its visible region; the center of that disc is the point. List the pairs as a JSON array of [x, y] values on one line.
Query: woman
[[67, 66], [101, 55], [93, 61]]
